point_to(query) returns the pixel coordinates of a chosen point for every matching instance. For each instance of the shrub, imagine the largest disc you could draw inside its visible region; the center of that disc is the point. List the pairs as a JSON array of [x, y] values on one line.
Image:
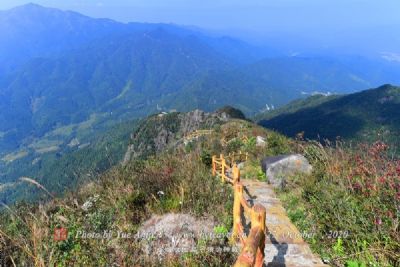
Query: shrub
[[206, 158], [126, 197], [352, 190], [234, 145]]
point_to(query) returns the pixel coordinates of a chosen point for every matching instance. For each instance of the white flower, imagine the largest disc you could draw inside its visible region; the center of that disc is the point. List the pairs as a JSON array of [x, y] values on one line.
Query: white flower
[[87, 205]]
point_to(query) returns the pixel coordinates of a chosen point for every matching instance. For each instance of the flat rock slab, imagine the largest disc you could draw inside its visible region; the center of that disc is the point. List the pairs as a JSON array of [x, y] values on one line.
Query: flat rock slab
[[284, 244]]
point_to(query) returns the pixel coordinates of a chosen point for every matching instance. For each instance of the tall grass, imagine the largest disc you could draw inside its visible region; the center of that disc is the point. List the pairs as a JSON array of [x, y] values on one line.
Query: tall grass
[[120, 200], [351, 203]]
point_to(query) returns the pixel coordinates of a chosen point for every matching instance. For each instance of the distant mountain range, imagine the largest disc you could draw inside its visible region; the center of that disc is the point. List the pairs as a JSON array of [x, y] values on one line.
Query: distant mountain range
[[369, 115], [66, 77]]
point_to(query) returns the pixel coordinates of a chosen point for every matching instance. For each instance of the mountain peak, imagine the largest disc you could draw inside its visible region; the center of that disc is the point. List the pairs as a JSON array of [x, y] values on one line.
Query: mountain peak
[[29, 6], [386, 87], [35, 10], [32, 10], [32, 5]]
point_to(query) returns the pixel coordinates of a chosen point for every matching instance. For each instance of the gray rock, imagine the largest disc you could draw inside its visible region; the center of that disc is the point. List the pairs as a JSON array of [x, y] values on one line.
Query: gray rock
[[128, 154], [241, 165], [279, 168], [260, 141], [173, 234]]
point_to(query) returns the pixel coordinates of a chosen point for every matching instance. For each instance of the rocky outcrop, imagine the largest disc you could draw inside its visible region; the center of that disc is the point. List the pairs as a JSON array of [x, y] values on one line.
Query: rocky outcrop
[[173, 234], [279, 168], [160, 131]]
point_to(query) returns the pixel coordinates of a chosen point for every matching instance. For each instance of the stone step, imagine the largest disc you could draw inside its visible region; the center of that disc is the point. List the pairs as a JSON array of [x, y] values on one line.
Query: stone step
[[284, 244]]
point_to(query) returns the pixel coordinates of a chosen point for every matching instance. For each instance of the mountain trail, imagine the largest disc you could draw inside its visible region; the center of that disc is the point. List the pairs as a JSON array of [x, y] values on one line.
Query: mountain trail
[[284, 243]]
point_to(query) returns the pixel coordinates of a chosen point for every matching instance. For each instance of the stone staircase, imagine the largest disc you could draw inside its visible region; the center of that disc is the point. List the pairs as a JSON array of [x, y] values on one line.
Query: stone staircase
[[284, 243]]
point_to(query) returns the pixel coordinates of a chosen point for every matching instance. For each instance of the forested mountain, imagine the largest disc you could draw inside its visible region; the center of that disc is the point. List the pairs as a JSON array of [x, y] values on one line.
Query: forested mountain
[[29, 31], [119, 139], [369, 115], [26, 34], [66, 77]]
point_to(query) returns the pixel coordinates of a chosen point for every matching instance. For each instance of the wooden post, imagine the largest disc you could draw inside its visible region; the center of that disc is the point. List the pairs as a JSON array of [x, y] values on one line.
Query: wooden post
[[258, 216], [223, 165], [237, 221], [258, 220], [252, 253], [214, 167], [236, 173]]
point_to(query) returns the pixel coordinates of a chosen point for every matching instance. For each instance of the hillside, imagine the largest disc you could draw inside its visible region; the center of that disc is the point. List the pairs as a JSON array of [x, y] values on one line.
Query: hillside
[[59, 98], [170, 173], [268, 138], [369, 115], [128, 194], [96, 72], [294, 106], [27, 33], [62, 170], [108, 72], [308, 75]]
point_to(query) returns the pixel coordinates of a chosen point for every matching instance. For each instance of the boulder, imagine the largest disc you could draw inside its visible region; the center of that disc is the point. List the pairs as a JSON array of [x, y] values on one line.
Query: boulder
[[279, 167], [169, 234], [260, 141]]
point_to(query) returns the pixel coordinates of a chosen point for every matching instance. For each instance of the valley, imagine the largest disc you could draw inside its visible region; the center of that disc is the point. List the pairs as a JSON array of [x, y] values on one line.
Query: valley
[[132, 136]]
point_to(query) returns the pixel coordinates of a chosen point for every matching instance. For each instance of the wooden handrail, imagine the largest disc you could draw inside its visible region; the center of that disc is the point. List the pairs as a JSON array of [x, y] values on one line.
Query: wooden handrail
[[242, 138], [252, 253], [197, 133]]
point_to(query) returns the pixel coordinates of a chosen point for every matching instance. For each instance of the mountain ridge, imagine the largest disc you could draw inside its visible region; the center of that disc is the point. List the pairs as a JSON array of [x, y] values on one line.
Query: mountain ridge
[[66, 96], [364, 116]]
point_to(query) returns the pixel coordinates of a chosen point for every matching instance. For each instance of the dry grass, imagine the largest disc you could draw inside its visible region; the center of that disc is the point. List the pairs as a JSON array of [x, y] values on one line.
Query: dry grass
[[122, 199], [353, 189]]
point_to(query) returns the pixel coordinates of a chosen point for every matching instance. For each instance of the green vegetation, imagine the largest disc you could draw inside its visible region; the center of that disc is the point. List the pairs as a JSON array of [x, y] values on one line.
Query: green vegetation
[[366, 116], [349, 205], [295, 106], [125, 196], [61, 95], [120, 200], [65, 169]]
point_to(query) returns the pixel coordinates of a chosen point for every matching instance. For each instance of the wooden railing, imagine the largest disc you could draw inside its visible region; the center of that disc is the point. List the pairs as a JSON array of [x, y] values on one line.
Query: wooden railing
[[197, 134], [243, 138], [252, 253]]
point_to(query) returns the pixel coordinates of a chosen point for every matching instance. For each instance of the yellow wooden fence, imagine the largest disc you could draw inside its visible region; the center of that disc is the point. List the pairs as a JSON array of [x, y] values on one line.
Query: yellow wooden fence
[[252, 253], [242, 138], [197, 134]]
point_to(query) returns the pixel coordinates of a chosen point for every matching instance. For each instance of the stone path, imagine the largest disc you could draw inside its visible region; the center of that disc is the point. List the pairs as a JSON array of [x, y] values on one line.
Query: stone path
[[284, 245]]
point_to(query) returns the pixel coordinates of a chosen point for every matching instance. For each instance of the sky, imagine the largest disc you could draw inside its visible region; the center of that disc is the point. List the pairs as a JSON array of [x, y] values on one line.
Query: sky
[[319, 20], [255, 15]]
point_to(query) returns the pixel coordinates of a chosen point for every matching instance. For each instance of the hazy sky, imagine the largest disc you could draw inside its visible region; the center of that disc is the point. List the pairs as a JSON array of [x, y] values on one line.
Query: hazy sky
[[255, 15], [319, 19]]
